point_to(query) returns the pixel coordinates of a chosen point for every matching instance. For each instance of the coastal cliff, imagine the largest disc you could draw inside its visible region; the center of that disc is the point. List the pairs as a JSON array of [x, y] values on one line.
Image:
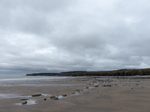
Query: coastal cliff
[[122, 72]]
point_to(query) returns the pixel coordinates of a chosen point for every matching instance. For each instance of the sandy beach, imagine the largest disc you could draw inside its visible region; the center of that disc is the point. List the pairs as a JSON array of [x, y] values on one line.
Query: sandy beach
[[79, 94]]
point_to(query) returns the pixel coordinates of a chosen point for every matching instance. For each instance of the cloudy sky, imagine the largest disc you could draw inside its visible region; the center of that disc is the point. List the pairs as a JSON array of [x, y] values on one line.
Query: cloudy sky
[[70, 35]]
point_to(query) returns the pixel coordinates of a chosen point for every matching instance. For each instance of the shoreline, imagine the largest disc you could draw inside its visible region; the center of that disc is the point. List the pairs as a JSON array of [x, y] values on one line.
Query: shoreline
[[121, 72], [82, 94]]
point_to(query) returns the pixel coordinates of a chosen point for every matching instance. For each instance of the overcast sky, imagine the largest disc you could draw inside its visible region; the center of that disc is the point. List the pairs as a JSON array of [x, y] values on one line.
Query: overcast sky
[[70, 35]]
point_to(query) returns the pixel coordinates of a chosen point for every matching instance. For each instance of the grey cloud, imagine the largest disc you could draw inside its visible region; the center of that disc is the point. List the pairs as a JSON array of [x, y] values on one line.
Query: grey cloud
[[58, 35]]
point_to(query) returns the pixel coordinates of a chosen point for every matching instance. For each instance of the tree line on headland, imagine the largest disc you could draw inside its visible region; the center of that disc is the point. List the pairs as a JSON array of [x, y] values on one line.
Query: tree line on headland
[[121, 72]]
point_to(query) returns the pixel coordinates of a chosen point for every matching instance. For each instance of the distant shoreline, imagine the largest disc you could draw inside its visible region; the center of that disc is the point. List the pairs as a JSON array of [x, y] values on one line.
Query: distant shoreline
[[121, 72]]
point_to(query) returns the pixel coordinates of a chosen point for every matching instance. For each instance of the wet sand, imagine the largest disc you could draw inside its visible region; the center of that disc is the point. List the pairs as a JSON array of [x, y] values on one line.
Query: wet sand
[[84, 94]]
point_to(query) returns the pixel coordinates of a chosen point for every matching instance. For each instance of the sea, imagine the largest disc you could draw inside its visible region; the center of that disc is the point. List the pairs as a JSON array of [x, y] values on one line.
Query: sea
[[5, 78], [24, 77]]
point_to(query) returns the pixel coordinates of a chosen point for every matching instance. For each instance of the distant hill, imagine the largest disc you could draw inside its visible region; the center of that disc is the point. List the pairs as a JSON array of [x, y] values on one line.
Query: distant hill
[[121, 72]]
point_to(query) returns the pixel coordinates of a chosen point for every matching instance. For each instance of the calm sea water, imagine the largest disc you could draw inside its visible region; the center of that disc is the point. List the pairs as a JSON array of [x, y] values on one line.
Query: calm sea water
[[23, 77]]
